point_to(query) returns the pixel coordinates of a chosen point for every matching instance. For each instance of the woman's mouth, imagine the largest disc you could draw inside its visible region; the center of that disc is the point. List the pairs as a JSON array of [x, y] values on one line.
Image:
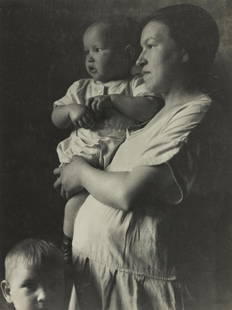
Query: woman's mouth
[[144, 73]]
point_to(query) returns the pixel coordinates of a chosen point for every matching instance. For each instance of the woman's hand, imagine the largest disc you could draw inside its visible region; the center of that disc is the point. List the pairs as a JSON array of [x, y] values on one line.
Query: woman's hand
[[69, 177], [99, 103]]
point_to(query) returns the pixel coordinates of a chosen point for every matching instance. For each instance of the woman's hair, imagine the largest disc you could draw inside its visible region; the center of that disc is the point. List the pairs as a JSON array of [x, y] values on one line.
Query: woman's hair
[[193, 29], [36, 253]]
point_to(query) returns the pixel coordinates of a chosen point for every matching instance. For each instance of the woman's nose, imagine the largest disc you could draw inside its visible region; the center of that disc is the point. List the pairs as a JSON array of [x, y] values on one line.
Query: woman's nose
[[141, 60]]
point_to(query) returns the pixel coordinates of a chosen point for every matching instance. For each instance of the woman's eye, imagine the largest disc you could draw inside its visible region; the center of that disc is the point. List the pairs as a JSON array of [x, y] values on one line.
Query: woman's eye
[[150, 46]]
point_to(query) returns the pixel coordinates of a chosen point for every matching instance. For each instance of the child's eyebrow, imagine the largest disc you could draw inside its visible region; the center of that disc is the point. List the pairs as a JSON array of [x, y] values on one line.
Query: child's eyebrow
[[99, 44], [28, 281]]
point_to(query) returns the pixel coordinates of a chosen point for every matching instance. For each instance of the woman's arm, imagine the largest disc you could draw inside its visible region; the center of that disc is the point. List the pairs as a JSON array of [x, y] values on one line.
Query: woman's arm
[[120, 190], [138, 108]]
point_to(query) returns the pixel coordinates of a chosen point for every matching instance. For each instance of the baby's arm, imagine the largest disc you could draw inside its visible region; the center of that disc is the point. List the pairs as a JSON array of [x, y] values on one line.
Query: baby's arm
[[66, 115], [72, 114], [71, 209], [71, 109]]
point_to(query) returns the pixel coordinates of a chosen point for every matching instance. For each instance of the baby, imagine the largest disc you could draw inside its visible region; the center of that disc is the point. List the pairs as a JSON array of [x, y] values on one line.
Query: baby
[[34, 276], [103, 107]]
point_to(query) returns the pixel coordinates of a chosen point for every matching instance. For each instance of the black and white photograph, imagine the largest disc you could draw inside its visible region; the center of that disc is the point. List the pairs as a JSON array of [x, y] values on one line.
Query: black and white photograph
[[116, 155]]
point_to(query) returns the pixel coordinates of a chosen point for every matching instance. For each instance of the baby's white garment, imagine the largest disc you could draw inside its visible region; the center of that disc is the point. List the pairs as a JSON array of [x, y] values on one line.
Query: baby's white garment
[[98, 145]]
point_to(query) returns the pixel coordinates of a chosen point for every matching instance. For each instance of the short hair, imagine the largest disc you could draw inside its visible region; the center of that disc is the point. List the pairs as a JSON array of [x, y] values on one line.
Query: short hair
[[36, 253], [194, 29], [122, 30]]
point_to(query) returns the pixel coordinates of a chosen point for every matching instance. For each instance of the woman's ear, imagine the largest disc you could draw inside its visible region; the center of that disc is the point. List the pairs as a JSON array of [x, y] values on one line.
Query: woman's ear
[[5, 287]]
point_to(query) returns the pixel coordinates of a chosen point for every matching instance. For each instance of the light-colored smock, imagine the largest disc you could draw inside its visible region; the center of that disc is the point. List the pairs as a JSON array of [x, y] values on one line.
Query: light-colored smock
[[126, 260], [98, 145]]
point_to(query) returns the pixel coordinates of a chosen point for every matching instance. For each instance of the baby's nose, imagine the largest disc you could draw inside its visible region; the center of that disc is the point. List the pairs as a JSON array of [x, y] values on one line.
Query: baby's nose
[[90, 58]]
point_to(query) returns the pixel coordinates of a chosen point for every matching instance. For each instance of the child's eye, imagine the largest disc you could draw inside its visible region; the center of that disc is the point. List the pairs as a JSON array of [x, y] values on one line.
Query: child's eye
[[29, 285], [98, 49]]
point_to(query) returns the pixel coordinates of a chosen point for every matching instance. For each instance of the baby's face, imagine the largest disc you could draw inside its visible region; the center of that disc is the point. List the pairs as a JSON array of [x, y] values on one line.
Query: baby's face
[[32, 290], [104, 61]]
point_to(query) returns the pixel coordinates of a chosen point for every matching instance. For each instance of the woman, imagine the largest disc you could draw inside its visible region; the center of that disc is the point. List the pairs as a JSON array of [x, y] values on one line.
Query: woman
[[125, 246]]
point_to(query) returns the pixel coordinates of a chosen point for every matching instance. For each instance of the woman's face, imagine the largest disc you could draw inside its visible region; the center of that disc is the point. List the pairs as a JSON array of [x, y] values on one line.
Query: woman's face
[[160, 58]]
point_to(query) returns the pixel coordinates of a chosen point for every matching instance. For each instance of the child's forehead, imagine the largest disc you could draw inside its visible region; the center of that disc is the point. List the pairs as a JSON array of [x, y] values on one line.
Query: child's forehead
[[25, 268], [98, 31]]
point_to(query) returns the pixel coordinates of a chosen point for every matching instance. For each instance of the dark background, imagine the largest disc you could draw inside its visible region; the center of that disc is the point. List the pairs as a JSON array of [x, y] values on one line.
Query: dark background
[[41, 54]]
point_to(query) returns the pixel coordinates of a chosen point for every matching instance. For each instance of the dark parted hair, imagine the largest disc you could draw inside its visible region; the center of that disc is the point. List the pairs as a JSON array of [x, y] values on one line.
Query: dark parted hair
[[193, 29], [37, 253]]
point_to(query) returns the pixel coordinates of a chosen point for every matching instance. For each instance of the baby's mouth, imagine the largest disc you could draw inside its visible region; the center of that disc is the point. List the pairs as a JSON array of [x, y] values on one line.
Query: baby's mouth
[[92, 69]]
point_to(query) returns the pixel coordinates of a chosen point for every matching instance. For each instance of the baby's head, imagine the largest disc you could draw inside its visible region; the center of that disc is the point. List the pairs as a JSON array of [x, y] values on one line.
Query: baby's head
[[110, 49], [34, 276]]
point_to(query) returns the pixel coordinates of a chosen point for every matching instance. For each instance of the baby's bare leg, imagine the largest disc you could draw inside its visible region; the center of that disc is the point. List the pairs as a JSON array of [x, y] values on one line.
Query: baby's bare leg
[[71, 209]]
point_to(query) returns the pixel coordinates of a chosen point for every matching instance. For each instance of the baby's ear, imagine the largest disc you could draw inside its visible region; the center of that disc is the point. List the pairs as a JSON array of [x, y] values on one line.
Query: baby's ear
[[130, 51], [5, 286]]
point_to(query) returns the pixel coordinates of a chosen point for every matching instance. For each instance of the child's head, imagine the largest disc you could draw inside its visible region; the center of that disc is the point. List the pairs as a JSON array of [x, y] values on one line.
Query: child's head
[[34, 276], [110, 49]]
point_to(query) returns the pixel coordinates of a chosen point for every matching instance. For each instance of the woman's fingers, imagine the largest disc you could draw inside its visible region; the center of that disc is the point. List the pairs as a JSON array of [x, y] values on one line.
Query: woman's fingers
[[92, 104], [87, 120], [88, 103], [95, 104]]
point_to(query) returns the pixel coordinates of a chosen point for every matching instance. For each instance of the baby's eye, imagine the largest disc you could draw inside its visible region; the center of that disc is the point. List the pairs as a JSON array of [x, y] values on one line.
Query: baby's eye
[[98, 49]]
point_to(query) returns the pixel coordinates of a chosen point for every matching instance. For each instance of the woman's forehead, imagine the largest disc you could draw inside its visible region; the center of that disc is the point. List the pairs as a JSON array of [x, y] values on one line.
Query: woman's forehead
[[154, 30]]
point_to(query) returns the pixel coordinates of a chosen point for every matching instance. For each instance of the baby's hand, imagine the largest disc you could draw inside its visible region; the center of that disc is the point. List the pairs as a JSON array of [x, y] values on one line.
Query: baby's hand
[[75, 112], [81, 116], [99, 103]]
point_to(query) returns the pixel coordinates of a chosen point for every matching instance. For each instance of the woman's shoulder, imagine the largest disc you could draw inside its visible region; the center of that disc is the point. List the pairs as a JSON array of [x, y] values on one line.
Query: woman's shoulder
[[193, 105], [200, 99]]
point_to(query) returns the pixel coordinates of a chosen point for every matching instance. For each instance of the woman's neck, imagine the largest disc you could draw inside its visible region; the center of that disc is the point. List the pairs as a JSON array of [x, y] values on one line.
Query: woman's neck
[[179, 93]]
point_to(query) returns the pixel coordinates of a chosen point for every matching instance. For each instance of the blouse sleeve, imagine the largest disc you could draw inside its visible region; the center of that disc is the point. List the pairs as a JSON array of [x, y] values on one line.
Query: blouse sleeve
[[183, 168], [74, 94], [175, 147]]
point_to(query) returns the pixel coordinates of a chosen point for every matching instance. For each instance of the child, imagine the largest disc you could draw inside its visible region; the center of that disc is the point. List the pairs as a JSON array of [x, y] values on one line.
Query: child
[[101, 108], [34, 276]]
